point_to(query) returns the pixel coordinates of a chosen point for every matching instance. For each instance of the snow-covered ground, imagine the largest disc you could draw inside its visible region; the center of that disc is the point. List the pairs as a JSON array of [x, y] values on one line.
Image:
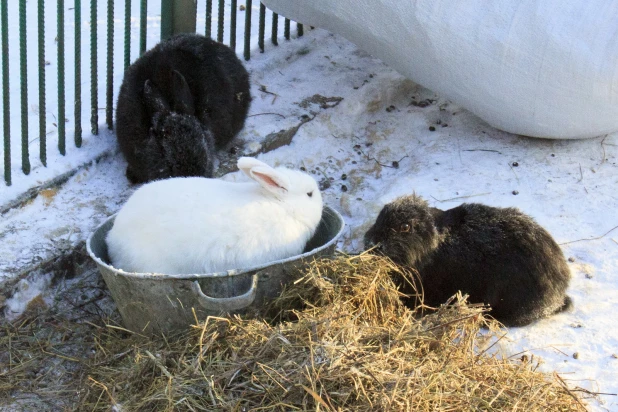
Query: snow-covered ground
[[442, 152]]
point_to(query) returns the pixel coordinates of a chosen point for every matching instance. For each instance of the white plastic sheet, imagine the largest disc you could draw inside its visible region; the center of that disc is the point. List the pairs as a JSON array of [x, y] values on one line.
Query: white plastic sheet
[[544, 68]]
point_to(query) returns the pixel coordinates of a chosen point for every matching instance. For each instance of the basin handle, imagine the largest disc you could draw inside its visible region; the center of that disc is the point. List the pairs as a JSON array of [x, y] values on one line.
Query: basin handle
[[226, 304]]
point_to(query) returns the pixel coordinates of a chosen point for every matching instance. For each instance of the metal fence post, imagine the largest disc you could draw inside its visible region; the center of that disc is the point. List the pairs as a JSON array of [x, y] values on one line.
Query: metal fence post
[[127, 33], [178, 16], [208, 19], [233, 11], [23, 80], [275, 26], [6, 111], [42, 104], [109, 105], [60, 121], [247, 49], [286, 29], [78, 73], [261, 27], [94, 90], [220, 20], [142, 26]]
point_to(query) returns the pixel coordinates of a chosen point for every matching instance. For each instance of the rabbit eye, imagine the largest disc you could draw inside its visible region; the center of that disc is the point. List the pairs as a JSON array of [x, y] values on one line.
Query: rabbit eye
[[310, 194], [405, 227]]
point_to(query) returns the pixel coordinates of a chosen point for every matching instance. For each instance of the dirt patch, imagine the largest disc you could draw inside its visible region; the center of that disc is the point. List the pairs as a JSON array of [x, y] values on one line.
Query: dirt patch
[[275, 140], [323, 102]]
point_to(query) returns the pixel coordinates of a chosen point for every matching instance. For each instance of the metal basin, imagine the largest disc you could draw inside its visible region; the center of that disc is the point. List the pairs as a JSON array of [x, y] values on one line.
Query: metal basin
[[154, 303]]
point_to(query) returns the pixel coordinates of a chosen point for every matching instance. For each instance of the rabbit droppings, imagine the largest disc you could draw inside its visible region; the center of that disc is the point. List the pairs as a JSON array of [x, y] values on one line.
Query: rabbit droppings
[[200, 225], [499, 256], [176, 101]]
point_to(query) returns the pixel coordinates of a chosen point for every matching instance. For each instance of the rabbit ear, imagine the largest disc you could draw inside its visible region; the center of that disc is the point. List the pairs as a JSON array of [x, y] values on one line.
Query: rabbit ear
[[181, 94], [270, 179], [153, 98], [246, 163]]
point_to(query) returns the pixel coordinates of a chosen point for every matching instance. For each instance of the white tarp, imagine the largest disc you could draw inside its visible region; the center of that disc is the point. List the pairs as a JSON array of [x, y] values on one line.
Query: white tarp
[[545, 68]]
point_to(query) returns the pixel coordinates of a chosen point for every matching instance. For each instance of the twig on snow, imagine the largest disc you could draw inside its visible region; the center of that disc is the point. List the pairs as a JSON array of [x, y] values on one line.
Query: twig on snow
[[513, 170], [568, 390], [591, 238], [394, 164], [261, 114], [482, 150], [461, 197], [603, 147]]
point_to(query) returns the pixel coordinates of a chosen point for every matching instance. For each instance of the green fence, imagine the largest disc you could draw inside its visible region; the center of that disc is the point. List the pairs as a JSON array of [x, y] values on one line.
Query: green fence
[[176, 16]]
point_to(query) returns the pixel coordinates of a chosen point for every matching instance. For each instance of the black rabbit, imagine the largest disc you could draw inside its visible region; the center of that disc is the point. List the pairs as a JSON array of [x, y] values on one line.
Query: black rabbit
[[180, 84], [499, 256]]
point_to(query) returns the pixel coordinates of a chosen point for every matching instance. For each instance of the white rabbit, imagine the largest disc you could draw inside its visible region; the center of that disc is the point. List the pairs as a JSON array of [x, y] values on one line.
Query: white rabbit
[[200, 225]]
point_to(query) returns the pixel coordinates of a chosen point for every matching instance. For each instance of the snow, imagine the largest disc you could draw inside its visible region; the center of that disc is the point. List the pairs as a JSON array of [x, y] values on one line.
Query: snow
[[567, 186]]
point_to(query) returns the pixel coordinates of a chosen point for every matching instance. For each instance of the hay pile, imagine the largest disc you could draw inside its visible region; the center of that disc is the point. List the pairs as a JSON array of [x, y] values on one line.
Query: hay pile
[[45, 354], [346, 344], [338, 339]]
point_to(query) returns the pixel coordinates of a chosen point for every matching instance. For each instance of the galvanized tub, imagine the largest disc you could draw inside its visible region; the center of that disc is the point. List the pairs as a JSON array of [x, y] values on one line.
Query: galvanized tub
[[153, 303]]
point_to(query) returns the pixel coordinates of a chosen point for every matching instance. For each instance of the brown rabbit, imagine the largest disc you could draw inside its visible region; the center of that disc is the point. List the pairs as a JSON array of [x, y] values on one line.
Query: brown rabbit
[[498, 256], [176, 101]]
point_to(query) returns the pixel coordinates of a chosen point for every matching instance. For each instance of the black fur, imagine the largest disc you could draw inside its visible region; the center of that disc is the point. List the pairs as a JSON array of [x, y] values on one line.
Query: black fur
[[499, 256], [186, 81]]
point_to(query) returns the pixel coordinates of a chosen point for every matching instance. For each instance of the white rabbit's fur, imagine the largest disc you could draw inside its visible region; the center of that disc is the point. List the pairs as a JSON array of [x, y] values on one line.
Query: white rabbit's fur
[[200, 225]]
